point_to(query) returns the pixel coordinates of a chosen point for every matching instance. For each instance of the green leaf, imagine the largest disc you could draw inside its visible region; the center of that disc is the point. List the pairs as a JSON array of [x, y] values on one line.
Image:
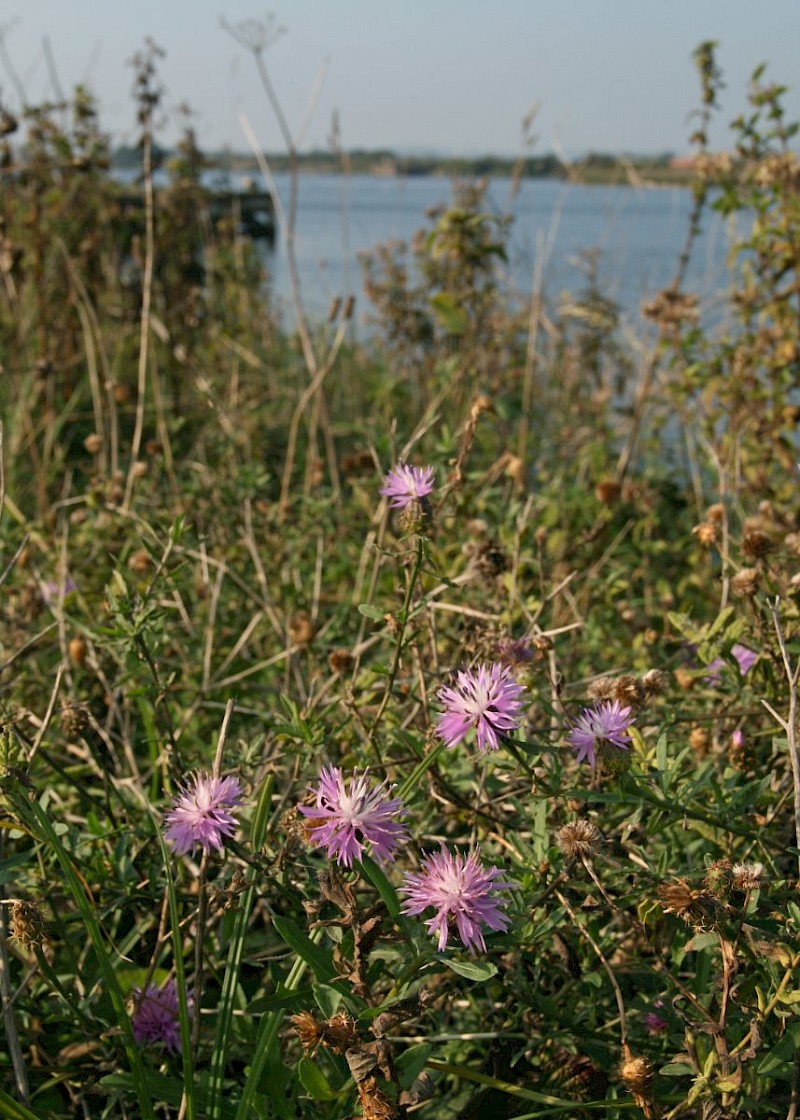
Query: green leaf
[[13, 1110], [373, 874], [411, 1063], [38, 822], [779, 1062], [472, 970], [661, 752], [282, 999], [318, 959], [369, 611], [263, 805], [677, 1069], [700, 941], [166, 1090], [328, 999], [452, 317], [314, 1080]]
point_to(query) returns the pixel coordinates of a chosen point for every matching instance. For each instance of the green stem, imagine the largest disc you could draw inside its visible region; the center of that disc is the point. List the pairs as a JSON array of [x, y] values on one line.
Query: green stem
[[404, 617]]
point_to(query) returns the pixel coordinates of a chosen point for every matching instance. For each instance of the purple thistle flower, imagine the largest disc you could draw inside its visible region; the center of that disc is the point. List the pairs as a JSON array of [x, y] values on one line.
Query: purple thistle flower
[[155, 1020], [463, 893], [607, 724], [52, 592], [713, 675], [744, 657], [404, 485], [486, 698], [653, 1023], [514, 651], [202, 813], [342, 820]]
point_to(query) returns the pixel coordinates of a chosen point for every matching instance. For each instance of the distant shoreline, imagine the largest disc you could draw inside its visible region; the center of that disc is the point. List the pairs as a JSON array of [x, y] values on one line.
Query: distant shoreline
[[600, 169]]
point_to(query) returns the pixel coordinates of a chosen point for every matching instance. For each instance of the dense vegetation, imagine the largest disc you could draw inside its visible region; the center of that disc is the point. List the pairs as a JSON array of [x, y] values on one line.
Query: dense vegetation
[[564, 647]]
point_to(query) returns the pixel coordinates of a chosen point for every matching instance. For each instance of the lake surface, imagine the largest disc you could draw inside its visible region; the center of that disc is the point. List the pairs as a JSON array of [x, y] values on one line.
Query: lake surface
[[638, 232]]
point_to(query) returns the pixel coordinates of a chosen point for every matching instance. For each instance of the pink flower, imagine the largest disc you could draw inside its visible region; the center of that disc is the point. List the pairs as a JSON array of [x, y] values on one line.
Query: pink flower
[[745, 658], [607, 724], [486, 698], [155, 1020], [653, 1023], [404, 485], [464, 894], [342, 820], [201, 813]]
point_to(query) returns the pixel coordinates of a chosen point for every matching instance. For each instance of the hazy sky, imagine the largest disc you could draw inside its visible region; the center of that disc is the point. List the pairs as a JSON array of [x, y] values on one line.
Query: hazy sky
[[457, 76]]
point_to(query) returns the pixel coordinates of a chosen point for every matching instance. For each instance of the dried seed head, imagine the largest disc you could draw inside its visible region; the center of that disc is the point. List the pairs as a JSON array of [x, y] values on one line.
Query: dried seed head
[[685, 679], [706, 533], [308, 1030], [340, 1033], [697, 908], [601, 689], [374, 1103], [747, 877], [607, 491], [93, 443], [74, 720], [579, 839], [700, 741], [301, 628], [575, 1075], [655, 682], [340, 661], [745, 582], [629, 691], [140, 562], [27, 924], [293, 825], [756, 544], [715, 513], [636, 1073], [718, 878]]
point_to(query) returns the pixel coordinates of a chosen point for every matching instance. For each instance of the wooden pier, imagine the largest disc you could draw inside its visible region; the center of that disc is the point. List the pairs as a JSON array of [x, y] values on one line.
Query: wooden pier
[[251, 211]]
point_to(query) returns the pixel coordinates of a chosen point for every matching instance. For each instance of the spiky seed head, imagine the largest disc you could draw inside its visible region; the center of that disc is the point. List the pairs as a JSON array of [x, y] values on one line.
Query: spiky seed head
[[579, 839]]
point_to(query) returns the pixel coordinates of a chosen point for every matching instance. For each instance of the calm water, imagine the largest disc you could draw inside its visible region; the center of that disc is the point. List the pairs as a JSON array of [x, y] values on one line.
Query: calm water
[[638, 232]]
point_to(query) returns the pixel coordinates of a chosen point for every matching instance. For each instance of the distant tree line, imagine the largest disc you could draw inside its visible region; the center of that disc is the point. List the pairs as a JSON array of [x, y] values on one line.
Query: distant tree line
[[593, 167]]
